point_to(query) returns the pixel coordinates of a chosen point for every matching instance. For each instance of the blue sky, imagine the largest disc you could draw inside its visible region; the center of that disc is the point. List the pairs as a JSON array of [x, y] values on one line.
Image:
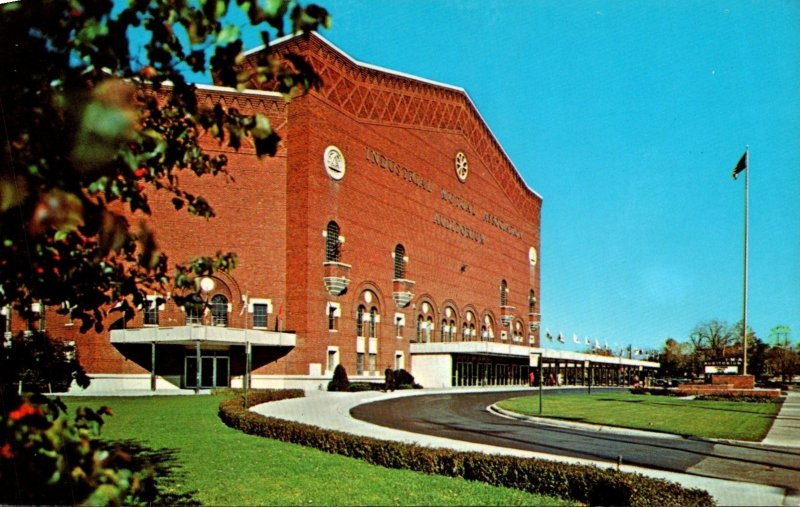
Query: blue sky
[[628, 118]]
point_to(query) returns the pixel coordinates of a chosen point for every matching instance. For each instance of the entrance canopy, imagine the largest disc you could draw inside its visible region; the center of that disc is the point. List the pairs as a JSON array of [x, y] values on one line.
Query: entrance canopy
[[522, 351], [211, 335]]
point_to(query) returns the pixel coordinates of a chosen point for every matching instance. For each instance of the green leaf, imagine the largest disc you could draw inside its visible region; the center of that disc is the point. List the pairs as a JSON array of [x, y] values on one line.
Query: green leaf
[[228, 34]]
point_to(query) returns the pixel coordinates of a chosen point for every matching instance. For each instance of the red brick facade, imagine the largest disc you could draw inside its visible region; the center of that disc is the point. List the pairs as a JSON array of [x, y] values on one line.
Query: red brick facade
[[400, 137]]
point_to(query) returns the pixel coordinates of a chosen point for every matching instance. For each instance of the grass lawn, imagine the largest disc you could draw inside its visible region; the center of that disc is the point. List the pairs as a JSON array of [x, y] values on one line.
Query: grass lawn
[[204, 461], [706, 419]]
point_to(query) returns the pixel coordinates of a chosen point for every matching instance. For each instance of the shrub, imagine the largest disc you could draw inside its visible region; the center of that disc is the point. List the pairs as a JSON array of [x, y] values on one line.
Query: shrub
[[587, 484], [405, 380], [46, 458], [41, 363], [738, 397], [357, 387], [340, 382]]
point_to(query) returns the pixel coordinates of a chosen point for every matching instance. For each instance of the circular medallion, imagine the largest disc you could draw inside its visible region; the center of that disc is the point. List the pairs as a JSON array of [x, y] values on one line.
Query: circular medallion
[[425, 307], [368, 297], [334, 162], [462, 166]]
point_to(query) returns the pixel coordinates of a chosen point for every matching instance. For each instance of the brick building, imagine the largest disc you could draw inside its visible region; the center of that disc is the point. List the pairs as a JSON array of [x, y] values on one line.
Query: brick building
[[391, 229]]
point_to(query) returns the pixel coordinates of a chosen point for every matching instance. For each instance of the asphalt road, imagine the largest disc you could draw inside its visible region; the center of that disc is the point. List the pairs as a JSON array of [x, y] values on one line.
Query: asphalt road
[[464, 417]]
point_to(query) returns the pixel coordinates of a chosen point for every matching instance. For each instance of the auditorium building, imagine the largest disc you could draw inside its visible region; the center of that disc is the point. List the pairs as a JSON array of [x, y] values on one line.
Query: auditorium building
[[390, 230]]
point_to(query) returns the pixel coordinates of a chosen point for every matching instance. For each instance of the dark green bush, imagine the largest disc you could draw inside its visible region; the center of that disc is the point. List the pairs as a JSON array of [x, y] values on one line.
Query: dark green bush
[[405, 380], [340, 382], [587, 484], [357, 387], [738, 397]]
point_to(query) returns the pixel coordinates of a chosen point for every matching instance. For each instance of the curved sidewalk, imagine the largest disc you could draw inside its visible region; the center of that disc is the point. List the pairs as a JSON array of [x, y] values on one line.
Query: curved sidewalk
[[332, 411]]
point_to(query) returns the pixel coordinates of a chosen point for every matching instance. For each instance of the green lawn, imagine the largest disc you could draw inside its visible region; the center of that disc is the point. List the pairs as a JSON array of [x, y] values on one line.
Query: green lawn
[[707, 419], [202, 460]]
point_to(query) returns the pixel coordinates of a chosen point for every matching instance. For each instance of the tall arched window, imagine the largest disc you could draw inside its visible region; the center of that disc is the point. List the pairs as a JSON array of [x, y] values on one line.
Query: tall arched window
[[420, 328], [333, 251], [399, 262], [452, 333], [532, 302], [429, 330], [373, 322], [360, 320], [503, 293], [219, 310]]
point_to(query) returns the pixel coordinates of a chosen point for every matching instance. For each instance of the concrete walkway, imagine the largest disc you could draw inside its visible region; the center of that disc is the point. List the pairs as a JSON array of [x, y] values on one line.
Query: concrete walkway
[[332, 411], [785, 431]]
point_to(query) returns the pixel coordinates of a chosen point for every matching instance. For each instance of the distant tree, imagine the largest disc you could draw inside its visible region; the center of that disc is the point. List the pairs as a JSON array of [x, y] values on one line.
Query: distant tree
[[674, 359], [783, 358], [715, 336]]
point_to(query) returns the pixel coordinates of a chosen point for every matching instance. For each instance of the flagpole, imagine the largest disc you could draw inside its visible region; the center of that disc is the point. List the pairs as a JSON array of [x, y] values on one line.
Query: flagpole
[[744, 290]]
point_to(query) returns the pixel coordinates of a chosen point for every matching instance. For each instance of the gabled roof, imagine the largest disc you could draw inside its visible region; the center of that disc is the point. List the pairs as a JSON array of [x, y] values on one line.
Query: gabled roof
[[447, 119]]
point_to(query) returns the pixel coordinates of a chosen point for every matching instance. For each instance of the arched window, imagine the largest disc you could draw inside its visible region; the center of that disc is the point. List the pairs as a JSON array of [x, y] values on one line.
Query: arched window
[[444, 331], [452, 333], [219, 310], [532, 302], [503, 293], [487, 329], [464, 332], [420, 328], [429, 330], [333, 251], [399, 262], [360, 320], [373, 322], [471, 332]]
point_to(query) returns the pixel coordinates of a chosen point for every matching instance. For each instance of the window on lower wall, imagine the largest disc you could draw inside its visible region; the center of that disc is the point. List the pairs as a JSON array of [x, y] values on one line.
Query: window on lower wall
[[333, 358], [260, 315], [333, 312], [360, 363], [373, 363], [150, 309]]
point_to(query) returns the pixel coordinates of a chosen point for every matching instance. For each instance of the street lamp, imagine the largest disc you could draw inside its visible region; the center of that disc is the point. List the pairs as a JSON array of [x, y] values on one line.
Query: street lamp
[[536, 361], [587, 365]]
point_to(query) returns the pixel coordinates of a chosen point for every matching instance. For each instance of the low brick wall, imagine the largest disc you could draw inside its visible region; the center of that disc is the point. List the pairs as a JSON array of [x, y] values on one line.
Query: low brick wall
[[736, 381]]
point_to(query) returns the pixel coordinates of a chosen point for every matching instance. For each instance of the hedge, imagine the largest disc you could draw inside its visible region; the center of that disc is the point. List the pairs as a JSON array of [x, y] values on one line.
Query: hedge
[[583, 483]]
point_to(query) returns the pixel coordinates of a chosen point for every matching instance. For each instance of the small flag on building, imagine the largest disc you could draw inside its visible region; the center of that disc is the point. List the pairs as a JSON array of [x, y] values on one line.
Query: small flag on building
[[741, 166], [575, 338]]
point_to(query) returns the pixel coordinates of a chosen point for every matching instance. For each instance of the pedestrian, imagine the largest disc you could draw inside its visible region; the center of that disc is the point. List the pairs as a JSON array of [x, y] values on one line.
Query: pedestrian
[[388, 379], [531, 378]]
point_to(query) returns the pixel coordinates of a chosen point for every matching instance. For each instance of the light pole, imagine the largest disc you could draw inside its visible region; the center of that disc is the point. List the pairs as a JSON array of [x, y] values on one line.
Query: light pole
[[536, 361], [588, 366]]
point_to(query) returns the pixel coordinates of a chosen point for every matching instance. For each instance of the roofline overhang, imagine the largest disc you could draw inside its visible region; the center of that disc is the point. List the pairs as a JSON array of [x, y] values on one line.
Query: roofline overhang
[[209, 335], [523, 351]]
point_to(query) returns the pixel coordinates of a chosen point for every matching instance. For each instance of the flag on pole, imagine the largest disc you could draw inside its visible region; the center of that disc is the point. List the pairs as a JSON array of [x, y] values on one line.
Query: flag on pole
[[741, 166], [575, 338]]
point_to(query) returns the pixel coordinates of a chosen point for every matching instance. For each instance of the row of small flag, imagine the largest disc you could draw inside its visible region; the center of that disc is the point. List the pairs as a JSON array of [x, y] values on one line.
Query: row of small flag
[[587, 341]]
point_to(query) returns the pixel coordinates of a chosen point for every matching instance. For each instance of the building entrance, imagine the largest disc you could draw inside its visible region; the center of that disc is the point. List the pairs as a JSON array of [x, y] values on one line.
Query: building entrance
[[214, 371]]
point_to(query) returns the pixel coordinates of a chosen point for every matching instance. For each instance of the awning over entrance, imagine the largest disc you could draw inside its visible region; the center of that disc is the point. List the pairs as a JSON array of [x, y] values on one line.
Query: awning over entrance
[[507, 349], [211, 335]]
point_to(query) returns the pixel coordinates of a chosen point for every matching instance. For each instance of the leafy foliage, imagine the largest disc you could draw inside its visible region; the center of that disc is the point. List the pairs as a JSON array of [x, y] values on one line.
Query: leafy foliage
[[586, 484], [46, 458], [40, 363], [91, 128]]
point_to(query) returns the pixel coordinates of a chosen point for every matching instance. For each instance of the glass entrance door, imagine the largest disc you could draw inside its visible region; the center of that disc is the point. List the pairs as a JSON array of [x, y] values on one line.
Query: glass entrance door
[[215, 371]]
